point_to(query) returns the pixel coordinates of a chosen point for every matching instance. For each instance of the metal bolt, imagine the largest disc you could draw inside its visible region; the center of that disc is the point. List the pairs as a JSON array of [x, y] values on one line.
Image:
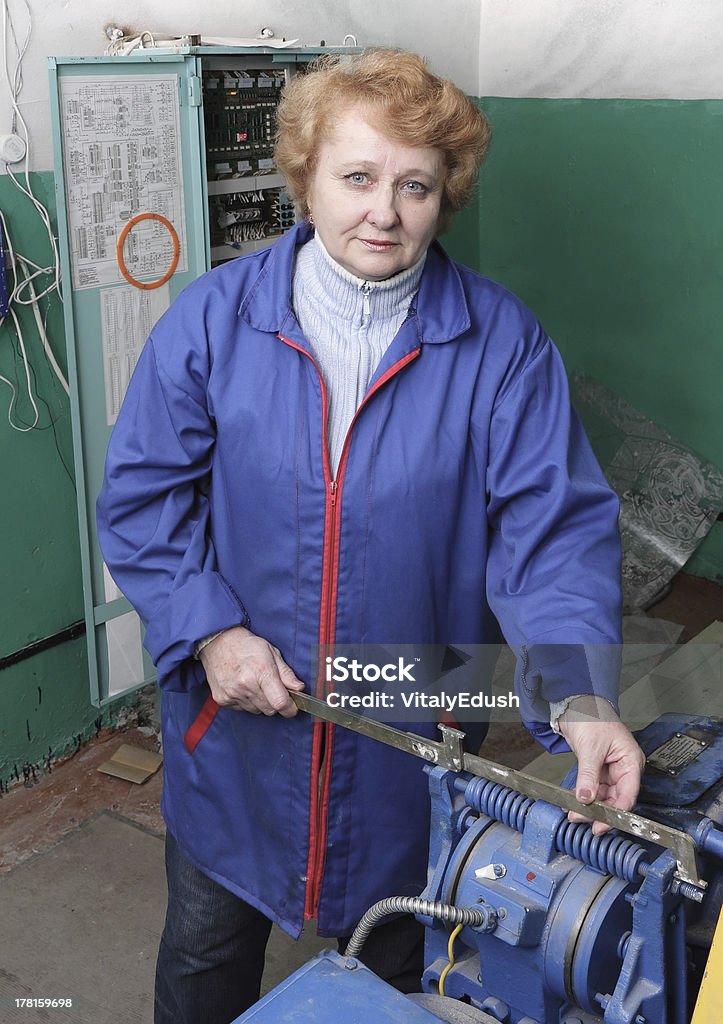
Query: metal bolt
[[690, 892], [499, 869], [351, 964]]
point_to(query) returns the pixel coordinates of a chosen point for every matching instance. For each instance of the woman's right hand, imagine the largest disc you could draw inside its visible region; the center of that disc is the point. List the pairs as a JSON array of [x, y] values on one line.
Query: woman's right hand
[[246, 672]]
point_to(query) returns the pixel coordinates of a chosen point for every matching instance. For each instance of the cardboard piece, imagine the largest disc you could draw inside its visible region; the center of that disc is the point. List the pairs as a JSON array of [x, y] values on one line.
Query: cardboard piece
[[132, 763]]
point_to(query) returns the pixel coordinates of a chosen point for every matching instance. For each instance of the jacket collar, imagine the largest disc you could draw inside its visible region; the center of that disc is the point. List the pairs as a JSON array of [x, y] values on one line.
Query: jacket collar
[[441, 305]]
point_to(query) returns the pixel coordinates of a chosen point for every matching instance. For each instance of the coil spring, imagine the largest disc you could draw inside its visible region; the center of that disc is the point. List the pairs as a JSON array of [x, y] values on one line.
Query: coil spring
[[410, 905], [611, 854], [498, 802]]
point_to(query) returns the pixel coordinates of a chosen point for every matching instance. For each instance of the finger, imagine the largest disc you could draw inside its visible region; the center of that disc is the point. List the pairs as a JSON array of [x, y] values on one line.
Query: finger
[[286, 673], [244, 692], [275, 699], [627, 787], [598, 827], [588, 777], [245, 704], [624, 794]]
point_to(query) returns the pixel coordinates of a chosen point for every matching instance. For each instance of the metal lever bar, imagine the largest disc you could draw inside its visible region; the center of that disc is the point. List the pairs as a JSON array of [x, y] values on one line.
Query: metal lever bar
[[450, 753]]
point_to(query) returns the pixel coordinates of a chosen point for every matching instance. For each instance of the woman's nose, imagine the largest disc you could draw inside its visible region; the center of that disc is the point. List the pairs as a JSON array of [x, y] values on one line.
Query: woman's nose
[[383, 210]]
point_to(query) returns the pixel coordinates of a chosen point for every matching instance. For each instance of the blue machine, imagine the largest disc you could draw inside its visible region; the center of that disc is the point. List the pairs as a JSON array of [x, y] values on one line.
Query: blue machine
[[574, 928]]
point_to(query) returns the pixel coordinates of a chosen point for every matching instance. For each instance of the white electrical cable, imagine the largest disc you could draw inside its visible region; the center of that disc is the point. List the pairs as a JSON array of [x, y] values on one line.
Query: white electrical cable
[[19, 54], [26, 365], [18, 330], [41, 329], [17, 261], [27, 283], [14, 259], [14, 87], [45, 217], [121, 46]]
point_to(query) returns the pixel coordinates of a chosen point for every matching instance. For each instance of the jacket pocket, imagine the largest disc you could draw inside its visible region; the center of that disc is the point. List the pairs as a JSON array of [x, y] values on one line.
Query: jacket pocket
[[200, 725]]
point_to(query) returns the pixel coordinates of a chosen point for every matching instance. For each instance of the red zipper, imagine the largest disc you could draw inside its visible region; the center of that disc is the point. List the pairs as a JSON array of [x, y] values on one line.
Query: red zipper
[[321, 771]]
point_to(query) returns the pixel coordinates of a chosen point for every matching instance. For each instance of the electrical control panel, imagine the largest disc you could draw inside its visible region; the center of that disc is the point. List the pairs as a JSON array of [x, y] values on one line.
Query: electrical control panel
[[164, 167], [247, 203], [239, 109]]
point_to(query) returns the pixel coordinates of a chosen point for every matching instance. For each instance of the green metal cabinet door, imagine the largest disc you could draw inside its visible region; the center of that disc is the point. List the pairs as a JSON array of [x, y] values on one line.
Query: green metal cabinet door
[[132, 220]]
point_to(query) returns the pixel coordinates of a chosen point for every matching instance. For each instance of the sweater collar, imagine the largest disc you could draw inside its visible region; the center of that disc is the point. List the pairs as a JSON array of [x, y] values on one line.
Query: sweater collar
[[320, 279], [441, 304]]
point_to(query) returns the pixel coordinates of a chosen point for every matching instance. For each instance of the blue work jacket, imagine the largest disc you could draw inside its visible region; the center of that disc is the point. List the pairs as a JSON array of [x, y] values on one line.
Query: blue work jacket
[[466, 492]]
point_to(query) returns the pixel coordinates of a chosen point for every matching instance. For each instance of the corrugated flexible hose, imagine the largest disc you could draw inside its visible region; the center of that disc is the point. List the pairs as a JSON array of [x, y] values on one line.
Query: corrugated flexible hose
[[410, 905]]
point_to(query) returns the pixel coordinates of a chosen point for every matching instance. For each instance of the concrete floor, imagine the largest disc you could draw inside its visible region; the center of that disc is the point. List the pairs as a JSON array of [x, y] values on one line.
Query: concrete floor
[[82, 894], [82, 890]]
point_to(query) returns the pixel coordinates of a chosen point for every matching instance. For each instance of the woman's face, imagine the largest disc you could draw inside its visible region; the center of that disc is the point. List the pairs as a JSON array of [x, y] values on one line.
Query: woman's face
[[374, 202]]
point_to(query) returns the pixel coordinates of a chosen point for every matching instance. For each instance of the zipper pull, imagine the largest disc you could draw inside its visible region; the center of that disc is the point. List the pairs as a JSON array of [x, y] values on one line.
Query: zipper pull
[[332, 493], [366, 308]]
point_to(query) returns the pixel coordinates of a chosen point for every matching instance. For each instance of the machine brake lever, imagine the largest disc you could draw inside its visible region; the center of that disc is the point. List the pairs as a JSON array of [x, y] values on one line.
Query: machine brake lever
[[450, 754]]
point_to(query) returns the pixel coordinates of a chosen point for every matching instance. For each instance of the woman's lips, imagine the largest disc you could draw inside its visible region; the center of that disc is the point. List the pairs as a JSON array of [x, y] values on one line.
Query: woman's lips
[[375, 246]]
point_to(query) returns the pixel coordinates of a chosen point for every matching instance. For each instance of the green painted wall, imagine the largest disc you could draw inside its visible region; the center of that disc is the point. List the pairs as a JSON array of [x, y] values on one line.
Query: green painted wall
[[462, 237], [44, 700], [41, 588], [605, 217]]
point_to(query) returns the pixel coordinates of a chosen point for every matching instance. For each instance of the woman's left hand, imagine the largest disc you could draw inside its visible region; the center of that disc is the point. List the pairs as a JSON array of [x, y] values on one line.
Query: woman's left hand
[[609, 762]]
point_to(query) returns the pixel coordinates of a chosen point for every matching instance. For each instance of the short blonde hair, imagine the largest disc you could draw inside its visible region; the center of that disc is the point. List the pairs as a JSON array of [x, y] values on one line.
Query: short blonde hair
[[409, 103]]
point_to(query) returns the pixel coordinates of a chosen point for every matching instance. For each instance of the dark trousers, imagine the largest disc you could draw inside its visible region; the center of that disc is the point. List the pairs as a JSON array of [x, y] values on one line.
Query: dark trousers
[[211, 956]]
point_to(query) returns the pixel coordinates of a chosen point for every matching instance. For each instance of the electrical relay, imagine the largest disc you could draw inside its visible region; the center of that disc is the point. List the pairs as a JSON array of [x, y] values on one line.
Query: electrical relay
[[240, 120], [248, 204]]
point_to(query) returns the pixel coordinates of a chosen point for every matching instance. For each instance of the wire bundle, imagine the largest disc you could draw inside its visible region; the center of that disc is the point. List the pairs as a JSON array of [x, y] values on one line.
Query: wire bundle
[[25, 273]]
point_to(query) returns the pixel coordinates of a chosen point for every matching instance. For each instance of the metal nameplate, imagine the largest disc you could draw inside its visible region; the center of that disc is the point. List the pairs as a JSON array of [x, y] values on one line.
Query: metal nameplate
[[677, 753]]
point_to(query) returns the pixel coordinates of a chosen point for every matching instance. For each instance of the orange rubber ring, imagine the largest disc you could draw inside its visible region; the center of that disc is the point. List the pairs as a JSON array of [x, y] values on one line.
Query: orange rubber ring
[[147, 285]]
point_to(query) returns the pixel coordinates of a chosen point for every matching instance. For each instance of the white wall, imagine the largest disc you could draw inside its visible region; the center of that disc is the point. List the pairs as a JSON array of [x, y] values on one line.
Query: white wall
[[659, 49], [448, 33], [554, 48]]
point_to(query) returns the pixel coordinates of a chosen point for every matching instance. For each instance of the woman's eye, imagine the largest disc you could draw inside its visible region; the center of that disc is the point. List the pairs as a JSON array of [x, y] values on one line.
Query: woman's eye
[[357, 178], [415, 187]]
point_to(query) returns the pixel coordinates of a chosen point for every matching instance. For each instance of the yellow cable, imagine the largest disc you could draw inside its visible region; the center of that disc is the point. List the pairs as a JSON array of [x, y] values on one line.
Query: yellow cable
[[450, 955]]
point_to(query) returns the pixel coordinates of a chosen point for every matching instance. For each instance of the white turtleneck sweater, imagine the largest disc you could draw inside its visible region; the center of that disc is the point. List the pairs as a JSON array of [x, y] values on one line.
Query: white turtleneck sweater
[[349, 323]]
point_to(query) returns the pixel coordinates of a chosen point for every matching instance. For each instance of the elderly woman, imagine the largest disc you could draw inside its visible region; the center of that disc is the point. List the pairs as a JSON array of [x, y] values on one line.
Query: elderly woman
[[345, 438]]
